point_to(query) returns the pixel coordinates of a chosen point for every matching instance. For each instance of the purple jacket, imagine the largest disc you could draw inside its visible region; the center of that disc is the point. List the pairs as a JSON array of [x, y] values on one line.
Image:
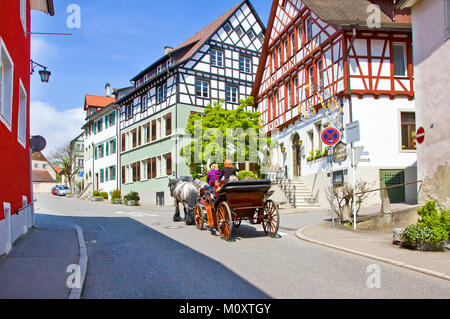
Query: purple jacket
[[212, 176]]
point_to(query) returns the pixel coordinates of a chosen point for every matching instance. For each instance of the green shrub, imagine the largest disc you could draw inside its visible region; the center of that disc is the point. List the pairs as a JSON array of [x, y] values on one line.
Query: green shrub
[[96, 193], [116, 194], [104, 195], [244, 175], [132, 196], [318, 154], [418, 234], [311, 156]]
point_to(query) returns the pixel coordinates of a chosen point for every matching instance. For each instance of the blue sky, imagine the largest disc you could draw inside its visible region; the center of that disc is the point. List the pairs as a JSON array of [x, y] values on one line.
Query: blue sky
[[117, 40]]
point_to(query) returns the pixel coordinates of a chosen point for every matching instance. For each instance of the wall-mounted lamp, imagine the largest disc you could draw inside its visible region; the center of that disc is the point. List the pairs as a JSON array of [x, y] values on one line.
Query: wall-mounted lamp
[[45, 75], [300, 143], [283, 149]]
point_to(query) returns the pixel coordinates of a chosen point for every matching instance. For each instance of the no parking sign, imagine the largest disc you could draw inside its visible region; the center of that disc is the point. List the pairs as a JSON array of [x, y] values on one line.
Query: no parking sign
[[331, 136]]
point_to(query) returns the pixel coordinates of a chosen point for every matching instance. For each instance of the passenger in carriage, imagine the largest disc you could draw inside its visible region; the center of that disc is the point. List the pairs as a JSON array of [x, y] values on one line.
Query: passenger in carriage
[[213, 175], [228, 170]]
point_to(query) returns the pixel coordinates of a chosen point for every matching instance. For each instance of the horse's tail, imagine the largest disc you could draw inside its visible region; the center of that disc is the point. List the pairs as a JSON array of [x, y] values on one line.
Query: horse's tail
[[192, 196]]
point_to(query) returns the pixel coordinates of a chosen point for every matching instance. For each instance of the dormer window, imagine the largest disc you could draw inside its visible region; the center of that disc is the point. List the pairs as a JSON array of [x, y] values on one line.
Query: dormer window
[[169, 63], [159, 69]]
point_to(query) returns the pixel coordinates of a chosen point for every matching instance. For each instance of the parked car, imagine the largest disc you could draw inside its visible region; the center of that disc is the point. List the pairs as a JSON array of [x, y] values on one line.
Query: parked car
[[62, 190]]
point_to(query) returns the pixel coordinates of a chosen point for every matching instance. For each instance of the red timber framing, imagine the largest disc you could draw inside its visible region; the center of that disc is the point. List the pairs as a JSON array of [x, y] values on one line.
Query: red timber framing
[[321, 58]]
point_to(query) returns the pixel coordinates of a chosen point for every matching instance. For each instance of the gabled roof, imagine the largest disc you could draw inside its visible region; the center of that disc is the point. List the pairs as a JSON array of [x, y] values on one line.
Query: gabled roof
[[194, 43], [342, 14], [97, 101], [198, 39], [38, 156], [42, 177]]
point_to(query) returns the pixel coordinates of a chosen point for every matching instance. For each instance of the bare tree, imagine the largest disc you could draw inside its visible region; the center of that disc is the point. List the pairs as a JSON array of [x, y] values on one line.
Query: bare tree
[[343, 196], [63, 156]]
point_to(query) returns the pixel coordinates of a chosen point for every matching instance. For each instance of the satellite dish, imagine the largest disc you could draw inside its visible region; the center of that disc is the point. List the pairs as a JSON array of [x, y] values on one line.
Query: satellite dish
[[38, 143]]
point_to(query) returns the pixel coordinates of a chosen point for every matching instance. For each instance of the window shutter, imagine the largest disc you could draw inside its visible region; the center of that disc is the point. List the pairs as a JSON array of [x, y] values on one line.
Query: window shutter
[[147, 132], [106, 121], [134, 134], [169, 164], [138, 171], [123, 142], [153, 130], [123, 175], [169, 124], [106, 175], [154, 167], [107, 148], [114, 146], [95, 152], [139, 136]]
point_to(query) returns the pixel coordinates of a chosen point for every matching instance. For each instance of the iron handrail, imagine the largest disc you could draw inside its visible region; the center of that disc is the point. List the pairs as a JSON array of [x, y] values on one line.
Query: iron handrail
[[390, 187]]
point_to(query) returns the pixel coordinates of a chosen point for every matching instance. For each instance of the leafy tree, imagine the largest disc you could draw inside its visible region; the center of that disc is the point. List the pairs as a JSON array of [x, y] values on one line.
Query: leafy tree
[[64, 157], [218, 134]]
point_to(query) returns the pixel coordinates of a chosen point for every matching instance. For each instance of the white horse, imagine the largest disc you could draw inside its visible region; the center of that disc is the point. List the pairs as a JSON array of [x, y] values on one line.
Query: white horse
[[184, 192]]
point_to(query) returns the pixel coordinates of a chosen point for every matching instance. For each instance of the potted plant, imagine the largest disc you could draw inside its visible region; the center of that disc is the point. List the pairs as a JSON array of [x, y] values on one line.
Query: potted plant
[[116, 197], [132, 199], [318, 155], [96, 197]]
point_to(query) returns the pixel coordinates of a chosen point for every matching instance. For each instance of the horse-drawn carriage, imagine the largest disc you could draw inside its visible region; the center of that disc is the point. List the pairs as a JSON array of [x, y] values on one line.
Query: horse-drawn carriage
[[236, 202]]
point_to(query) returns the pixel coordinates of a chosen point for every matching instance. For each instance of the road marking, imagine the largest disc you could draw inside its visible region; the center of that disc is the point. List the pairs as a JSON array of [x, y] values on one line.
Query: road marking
[[136, 214]]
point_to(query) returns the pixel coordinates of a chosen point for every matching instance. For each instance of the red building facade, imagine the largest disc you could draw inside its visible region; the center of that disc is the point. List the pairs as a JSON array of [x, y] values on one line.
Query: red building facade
[[15, 181]]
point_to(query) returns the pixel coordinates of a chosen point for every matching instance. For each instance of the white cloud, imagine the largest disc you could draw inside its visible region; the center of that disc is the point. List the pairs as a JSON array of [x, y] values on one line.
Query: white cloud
[[41, 48], [58, 127]]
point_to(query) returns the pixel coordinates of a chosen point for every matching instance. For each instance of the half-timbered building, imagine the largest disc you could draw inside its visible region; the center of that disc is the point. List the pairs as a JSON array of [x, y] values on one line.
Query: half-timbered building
[[328, 63], [217, 63]]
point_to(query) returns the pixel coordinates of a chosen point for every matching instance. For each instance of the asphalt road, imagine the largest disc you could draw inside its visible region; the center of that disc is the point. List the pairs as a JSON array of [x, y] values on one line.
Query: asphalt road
[[142, 253]]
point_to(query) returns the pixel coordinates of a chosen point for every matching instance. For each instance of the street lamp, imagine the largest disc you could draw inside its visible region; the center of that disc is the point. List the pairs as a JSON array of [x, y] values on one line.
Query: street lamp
[[45, 75]]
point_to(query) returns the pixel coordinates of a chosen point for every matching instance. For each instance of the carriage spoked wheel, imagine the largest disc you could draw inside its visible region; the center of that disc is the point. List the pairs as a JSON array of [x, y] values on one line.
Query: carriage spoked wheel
[[199, 217], [271, 218], [224, 221]]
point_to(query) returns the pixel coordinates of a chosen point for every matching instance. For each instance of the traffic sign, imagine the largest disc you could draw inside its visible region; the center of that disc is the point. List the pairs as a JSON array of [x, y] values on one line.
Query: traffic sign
[[352, 132], [420, 136], [331, 136]]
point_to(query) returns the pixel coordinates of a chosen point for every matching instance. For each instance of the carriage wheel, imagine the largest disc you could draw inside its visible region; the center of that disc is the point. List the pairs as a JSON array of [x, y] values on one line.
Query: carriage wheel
[[271, 219], [224, 221], [199, 217], [237, 222]]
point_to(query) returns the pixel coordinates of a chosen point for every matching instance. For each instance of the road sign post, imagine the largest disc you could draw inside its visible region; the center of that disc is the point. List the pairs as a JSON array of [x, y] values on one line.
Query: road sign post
[[353, 135]]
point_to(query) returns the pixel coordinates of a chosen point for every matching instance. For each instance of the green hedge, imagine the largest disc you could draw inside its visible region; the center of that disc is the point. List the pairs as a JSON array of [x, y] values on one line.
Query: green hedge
[[243, 175]]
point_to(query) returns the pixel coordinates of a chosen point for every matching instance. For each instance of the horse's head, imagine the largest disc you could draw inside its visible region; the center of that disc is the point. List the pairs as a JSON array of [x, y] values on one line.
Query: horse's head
[[173, 184]]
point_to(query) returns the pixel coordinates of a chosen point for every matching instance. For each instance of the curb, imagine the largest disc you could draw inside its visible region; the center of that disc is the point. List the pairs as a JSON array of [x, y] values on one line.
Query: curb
[[75, 293], [439, 275]]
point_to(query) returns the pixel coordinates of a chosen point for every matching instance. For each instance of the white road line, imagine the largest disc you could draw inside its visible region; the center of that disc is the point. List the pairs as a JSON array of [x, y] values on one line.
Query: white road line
[[136, 214]]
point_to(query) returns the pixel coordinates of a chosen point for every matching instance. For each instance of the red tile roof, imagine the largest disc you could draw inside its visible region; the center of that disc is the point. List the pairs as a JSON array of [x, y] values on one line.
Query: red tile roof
[[42, 177], [97, 101]]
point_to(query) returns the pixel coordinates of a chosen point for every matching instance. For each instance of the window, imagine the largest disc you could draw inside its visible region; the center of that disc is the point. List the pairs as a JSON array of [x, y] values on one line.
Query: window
[[408, 123], [161, 93], [286, 50], [23, 14], [144, 103], [300, 36], [320, 73], [112, 119], [6, 86], [124, 139], [245, 64], [22, 124], [123, 174], [312, 79], [274, 62], [159, 69], [202, 88], [398, 53], [280, 57], [216, 58], [169, 63], [80, 163], [227, 27], [308, 30], [239, 31], [251, 35], [261, 37], [295, 91], [289, 95], [231, 94], [292, 44], [147, 132]]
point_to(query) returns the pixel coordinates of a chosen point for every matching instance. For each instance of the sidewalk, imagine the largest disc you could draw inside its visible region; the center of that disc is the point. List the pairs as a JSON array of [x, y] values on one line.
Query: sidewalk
[[378, 245], [36, 266]]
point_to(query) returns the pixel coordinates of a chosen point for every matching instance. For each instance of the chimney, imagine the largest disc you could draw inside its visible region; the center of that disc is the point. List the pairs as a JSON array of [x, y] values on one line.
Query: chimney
[[108, 90], [167, 50]]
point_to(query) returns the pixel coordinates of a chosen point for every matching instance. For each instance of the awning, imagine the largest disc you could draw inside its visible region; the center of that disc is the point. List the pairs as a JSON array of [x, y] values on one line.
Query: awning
[[45, 6]]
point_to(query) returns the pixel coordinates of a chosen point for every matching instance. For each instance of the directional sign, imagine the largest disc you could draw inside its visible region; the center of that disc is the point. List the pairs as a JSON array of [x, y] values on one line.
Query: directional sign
[[331, 136], [420, 136], [352, 132]]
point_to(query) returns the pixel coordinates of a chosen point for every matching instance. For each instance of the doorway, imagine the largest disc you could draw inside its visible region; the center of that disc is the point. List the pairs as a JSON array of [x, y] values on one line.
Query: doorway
[[393, 177], [296, 156], [97, 182]]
